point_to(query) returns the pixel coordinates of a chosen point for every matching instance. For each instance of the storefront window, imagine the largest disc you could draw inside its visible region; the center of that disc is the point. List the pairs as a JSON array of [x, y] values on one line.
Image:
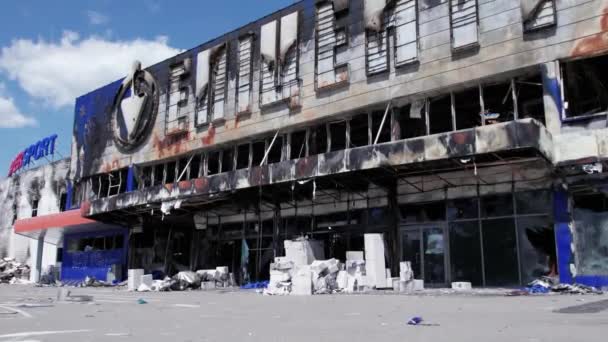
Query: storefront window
[[463, 209], [533, 202], [591, 234], [427, 212], [465, 252], [497, 205], [500, 252]]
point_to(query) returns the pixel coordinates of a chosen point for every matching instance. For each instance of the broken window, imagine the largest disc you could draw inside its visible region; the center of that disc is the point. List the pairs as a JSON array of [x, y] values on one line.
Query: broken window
[[115, 182], [529, 94], [176, 120], [62, 201], [318, 140], [159, 174], [376, 36], [298, 145], [463, 20], [195, 167], [337, 136], [467, 108], [35, 207], [537, 14], [381, 126], [213, 163], [211, 84], [440, 114], [406, 32], [170, 172], [228, 160], [146, 176], [95, 184], [242, 156], [258, 149], [585, 87], [411, 120], [182, 171], [243, 96], [498, 103], [279, 63], [332, 45], [359, 131], [124, 176], [275, 151]]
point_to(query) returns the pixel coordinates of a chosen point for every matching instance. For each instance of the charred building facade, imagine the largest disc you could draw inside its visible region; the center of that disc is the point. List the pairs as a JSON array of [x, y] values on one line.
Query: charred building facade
[[471, 133]]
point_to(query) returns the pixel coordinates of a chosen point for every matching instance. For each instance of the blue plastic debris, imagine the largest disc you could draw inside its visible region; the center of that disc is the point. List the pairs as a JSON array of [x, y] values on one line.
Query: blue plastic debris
[[141, 301], [537, 289], [255, 285], [415, 320]]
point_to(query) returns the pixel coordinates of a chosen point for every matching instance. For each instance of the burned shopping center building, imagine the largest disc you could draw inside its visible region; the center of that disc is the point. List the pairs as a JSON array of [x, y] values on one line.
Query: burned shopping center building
[[470, 133]]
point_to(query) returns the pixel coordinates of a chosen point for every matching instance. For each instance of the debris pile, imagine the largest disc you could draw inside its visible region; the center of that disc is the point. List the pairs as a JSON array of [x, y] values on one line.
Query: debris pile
[[13, 272], [184, 280], [546, 285]]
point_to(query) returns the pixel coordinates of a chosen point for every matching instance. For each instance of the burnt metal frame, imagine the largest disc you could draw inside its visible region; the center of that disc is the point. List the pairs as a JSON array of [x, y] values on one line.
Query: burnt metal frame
[[278, 67], [337, 46], [252, 46]]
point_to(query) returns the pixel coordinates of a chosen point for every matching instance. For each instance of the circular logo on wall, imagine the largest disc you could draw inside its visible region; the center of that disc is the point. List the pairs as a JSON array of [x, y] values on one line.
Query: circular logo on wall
[[134, 109]]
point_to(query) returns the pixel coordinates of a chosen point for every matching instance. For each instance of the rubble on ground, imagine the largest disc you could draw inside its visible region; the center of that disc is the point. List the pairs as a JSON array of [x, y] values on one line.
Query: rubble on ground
[[545, 285], [219, 277], [14, 272]]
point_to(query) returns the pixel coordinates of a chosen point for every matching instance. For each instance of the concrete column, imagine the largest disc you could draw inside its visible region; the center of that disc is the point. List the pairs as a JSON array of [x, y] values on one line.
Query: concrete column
[[552, 96], [37, 258]]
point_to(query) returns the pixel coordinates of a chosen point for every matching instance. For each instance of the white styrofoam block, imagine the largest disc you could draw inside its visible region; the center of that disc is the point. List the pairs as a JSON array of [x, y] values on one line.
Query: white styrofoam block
[[405, 271], [300, 252], [406, 286], [354, 255], [418, 284], [462, 285], [394, 282], [302, 281], [374, 260], [342, 279], [222, 269], [134, 278], [147, 280]]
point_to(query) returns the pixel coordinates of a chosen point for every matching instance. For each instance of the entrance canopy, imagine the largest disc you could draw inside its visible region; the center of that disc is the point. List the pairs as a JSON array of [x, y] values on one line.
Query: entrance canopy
[[53, 225]]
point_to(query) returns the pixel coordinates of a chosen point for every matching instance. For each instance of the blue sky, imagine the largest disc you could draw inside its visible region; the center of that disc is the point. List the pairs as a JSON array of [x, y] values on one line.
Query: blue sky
[[53, 51]]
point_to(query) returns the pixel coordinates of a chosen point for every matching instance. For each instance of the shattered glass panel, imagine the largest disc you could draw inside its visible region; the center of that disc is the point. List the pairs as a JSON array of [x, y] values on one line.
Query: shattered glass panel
[[591, 241], [536, 247]]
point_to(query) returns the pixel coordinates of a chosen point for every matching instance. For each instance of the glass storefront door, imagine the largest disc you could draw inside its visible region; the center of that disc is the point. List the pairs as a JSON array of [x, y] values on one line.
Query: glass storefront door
[[425, 246]]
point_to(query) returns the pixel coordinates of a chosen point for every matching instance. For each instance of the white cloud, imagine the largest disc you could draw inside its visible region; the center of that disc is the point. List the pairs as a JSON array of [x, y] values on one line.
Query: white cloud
[[10, 116], [58, 72], [97, 18]]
